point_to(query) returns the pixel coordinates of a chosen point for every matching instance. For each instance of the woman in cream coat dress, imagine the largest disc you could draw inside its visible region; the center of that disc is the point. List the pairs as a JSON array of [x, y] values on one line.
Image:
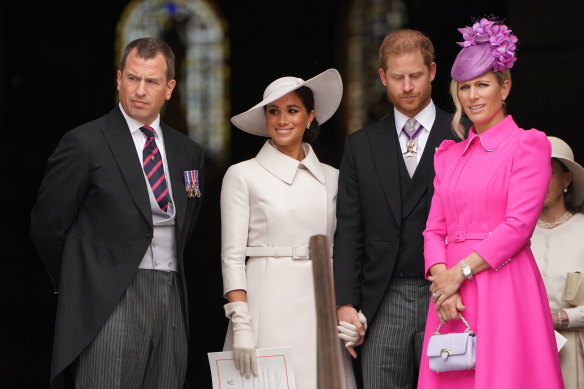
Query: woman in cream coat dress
[[558, 248], [270, 207]]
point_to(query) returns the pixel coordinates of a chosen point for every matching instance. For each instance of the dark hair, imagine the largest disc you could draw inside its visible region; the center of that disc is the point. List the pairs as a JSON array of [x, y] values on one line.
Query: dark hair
[[305, 94], [569, 201], [148, 48]]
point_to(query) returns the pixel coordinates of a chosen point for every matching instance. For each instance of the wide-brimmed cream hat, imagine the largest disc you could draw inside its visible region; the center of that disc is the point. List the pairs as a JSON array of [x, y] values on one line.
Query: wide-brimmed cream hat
[[563, 152], [327, 88]]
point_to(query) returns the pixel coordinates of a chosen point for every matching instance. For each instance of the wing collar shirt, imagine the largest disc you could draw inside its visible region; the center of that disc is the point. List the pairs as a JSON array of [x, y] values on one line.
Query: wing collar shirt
[[425, 117]]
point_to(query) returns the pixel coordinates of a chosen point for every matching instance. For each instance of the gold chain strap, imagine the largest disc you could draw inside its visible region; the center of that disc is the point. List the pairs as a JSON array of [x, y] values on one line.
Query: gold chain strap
[[468, 329]]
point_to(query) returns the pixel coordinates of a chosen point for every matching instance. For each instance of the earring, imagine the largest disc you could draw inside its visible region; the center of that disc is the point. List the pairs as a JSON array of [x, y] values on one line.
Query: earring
[[308, 126], [566, 189]]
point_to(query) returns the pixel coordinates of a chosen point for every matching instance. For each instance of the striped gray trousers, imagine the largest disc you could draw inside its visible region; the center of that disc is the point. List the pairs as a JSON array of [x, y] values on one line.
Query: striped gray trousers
[[390, 355], [143, 344]]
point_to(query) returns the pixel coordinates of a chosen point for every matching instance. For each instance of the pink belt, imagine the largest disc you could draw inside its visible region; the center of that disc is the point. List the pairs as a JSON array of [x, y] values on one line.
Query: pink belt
[[461, 236]]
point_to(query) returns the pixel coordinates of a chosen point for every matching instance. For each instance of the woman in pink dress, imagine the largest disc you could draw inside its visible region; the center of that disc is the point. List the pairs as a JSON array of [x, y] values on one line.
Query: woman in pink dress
[[489, 190]]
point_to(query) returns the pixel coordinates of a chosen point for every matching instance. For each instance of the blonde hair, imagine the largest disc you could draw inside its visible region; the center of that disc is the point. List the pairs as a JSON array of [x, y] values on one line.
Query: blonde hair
[[457, 126]]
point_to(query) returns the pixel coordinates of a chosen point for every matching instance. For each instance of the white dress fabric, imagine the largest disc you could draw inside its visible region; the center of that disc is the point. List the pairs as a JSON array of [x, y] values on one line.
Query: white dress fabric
[[274, 200], [558, 251]]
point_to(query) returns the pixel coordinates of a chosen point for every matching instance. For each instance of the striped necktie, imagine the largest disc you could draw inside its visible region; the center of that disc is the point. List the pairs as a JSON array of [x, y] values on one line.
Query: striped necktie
[[154, 169]]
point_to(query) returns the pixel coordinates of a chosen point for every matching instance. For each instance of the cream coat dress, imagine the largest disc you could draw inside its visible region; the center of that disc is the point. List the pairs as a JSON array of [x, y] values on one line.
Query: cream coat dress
[[275, 201], [558, 251]]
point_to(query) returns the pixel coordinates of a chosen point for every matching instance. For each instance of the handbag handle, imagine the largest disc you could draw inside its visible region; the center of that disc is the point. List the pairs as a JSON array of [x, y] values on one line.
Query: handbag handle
[[467, 330]]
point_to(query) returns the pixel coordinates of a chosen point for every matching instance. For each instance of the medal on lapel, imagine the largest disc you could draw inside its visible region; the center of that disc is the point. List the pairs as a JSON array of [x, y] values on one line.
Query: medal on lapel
[[192, 183]]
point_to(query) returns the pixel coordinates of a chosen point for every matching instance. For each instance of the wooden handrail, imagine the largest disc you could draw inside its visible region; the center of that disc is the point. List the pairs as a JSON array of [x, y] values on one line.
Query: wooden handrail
[[328, 350]]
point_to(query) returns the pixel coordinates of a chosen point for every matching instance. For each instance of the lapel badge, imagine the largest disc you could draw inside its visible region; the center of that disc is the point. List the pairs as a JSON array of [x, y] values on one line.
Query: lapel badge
[[192, 183]]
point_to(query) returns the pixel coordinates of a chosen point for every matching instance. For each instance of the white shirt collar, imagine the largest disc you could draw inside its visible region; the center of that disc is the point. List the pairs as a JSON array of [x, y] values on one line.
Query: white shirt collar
[[135, 125], [425, 117], [285, 167]]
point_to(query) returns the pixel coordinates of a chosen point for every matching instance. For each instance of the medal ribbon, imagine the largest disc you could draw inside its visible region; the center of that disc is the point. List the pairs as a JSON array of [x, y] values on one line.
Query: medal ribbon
[[192, 183], [410, 137]]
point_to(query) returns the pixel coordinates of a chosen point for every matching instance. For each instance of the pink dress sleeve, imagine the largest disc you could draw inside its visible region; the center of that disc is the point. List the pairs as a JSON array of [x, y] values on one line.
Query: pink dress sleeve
[[528, 185], [435, 232]]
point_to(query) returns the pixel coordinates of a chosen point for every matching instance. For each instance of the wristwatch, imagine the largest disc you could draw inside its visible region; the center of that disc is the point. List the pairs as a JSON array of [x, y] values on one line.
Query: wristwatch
[[466, 270]]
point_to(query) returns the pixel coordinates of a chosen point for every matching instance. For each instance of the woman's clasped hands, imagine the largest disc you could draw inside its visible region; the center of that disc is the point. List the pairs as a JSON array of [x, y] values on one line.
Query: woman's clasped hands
[[444, 289]]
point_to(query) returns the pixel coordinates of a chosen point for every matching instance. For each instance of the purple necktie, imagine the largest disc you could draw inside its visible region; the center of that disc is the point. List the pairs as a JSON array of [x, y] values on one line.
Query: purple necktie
[[154, 169]]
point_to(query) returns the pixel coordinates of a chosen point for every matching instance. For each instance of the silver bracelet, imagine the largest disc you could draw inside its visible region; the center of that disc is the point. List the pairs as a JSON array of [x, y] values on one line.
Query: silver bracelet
[[559, 319]]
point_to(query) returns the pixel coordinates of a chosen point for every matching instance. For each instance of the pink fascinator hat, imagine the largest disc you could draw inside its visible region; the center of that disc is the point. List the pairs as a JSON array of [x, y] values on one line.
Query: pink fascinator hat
[[488, 45]]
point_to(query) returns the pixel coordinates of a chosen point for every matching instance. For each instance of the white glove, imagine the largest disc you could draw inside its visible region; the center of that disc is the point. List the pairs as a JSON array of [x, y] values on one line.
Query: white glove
[[348, 331], [244, 352]]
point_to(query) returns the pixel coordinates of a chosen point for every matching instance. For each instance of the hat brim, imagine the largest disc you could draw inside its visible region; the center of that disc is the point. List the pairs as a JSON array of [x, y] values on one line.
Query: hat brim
[[327, 88], [577, 178], [563, 153]]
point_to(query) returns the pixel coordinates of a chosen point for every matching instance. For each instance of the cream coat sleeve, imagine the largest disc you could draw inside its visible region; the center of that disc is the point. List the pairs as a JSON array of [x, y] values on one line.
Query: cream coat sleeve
[[235, 211], [575, 316], [557, 252]]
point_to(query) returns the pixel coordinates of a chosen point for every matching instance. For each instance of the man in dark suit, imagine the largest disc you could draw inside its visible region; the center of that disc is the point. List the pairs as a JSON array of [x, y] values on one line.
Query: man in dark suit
[[385, 189], [118, 202]]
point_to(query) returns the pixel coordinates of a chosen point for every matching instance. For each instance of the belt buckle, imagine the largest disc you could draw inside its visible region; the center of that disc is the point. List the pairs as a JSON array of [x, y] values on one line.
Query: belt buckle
[[460, 236], [300, 251]]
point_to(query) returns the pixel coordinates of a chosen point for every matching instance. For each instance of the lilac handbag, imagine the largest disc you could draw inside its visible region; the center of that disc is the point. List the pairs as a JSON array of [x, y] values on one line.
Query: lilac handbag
[[454, 351]]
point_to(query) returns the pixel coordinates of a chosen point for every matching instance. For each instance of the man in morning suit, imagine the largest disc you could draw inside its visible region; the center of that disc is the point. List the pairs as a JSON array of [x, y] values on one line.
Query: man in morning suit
[[111, 222], [385, 189]]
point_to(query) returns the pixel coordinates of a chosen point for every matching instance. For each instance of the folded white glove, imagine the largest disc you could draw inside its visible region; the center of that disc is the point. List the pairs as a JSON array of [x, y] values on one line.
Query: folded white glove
[[244, 352], [348, 331]]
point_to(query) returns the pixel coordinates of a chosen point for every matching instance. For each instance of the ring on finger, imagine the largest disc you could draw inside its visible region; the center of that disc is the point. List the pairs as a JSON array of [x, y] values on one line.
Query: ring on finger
[[437, 295]]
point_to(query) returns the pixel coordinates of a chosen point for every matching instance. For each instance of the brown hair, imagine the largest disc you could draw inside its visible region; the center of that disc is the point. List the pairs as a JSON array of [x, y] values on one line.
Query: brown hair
[[457, 126], [148, 48], [305, 94], [406, 41]]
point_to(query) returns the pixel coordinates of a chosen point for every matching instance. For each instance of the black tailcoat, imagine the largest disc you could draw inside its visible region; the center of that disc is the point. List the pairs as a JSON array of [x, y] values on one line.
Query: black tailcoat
[[92, 223]]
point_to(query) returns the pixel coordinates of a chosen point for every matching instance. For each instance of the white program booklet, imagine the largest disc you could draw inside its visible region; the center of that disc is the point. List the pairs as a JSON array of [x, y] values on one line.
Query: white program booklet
[[275, 370], [560, 340]]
